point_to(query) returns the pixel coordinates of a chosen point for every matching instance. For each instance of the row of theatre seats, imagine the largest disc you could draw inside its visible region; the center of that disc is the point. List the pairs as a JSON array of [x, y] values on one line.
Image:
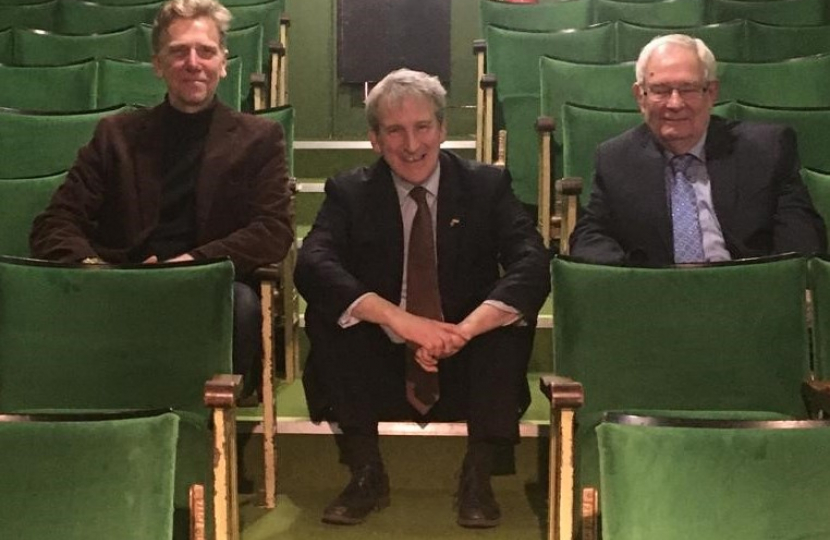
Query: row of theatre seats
[[530, 70], [109, 63], [746, 340]]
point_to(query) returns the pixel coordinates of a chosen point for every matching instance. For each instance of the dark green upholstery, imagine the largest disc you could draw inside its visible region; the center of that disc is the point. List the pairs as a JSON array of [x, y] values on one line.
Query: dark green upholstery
[[584, 128], [799, 82], [82, 17], [726, 40], [784, 12], [820, 285], [652, 13], [83, 479], [285, 116], [545, 16], [595, 85], [7, 46], [20, 201], [771, 42], [93, 338], [37, 144], [266, 14], [513, 56], [818, 183], [48, 49], [707, 483], [246, 44], [136, 83], [519, 115], [811, 125], [721, 337], [34, 87], [34, 15]]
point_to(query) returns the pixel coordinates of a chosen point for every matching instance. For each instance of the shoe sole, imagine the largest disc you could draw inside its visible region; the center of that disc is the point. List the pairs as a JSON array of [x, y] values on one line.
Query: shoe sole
[[382, 503]]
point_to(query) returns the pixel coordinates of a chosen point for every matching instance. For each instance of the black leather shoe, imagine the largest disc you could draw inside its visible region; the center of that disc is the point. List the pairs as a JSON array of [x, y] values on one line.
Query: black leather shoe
[[367, 490], [477, 506]]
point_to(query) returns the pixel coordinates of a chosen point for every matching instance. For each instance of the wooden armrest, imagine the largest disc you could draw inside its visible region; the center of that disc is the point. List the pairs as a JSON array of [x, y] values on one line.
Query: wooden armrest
[[816, 396], [563, 392], [487, 81], [569, 186], [276, 47], [222, 391], [545, 124]]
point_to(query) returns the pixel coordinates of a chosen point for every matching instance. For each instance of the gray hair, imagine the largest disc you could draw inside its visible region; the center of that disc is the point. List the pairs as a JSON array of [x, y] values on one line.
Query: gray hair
[[403, 83], [190, 9], [707, 59]]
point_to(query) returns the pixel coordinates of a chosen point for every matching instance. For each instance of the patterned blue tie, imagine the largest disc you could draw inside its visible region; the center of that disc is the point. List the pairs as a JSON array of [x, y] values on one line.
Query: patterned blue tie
[[688, 240]]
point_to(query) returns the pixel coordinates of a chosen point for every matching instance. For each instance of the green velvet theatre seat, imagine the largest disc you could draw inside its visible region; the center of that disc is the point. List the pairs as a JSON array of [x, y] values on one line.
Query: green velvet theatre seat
[[718, 337], [691, 479], [20, 201], [84, 477], [98, 337]]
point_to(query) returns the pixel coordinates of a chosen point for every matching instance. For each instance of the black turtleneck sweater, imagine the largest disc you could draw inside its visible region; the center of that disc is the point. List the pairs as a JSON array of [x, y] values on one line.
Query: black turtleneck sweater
[[184, 144]]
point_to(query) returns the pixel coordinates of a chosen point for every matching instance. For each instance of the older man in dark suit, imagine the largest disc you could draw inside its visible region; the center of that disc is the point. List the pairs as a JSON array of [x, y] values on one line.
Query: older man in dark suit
[[185, 180], [486, 275], [689, 187]]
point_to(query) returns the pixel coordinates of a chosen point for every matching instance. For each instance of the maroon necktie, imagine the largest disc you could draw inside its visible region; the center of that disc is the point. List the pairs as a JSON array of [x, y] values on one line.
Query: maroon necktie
[[422, 298]]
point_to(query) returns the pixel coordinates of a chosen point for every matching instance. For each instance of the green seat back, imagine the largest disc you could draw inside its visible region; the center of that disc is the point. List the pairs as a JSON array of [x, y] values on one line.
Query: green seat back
[[513, 56], [20, 201], [7, 46], [519, 115], [267, 14], [774, 83], [721, 337], [35, 88], [34, 48], [136, 83], [82, 17], [545, 16], [784, 12], [652, 13], [37, 144], [41, 15], [84, 479], [726, 40], [595, 85], [811, 125], [820, 285], [585, 128], [285, 116], [818, 183], [691, 483], [771, 42]]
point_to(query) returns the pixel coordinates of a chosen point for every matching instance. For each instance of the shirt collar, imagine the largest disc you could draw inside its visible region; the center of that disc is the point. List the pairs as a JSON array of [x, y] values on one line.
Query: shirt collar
[[431, 184]]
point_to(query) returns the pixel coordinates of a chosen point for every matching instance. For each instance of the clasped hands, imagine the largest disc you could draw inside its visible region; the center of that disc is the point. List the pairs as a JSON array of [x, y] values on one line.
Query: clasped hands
[[152, 259], [432, 340]]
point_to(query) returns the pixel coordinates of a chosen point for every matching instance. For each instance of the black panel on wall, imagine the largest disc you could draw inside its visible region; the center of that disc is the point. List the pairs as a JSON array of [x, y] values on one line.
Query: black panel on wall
[[376, 36]]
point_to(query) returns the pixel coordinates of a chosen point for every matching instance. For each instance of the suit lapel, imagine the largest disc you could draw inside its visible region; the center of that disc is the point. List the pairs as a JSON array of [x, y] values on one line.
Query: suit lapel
[[217, 154], [651, 171], [450, 222], [723, 172], [384, 219], [148, 161]]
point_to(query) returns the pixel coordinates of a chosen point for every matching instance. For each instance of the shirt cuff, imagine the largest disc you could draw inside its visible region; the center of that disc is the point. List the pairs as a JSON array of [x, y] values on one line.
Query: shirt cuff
[[518, 320]]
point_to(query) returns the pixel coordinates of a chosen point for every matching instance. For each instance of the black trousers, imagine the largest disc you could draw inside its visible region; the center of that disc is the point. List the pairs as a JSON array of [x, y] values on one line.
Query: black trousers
[[355, 376], [247, 334]]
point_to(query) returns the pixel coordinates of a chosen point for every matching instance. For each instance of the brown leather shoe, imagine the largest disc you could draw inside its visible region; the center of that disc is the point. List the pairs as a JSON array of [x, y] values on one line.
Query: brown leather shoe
[[477, 506], [367, 490]]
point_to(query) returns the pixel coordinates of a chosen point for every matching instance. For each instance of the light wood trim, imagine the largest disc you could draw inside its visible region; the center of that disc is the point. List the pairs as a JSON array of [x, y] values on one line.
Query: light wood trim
[[479, 50], [268, 411], [258, 85], [567, 195], [282, 97], [488, 85], [221, 394], [544, 127], [501, 149], [590, 513], [196, 496]]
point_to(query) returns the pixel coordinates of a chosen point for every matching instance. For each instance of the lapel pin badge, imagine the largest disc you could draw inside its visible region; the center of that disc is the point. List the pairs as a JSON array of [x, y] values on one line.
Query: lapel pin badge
[[454, 222]]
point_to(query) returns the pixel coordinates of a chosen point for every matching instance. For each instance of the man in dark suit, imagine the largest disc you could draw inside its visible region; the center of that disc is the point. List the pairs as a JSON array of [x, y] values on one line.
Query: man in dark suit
[[354, 271], [743, 188], [188, 179]]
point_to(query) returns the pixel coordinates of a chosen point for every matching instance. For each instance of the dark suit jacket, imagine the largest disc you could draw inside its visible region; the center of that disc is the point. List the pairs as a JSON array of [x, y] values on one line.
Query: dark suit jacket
[[109, 203], [356, 246], [759, 199]]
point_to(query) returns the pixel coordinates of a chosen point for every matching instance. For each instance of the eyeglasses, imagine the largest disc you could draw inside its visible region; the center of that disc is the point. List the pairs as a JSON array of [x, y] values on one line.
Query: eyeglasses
[[664, 92]]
